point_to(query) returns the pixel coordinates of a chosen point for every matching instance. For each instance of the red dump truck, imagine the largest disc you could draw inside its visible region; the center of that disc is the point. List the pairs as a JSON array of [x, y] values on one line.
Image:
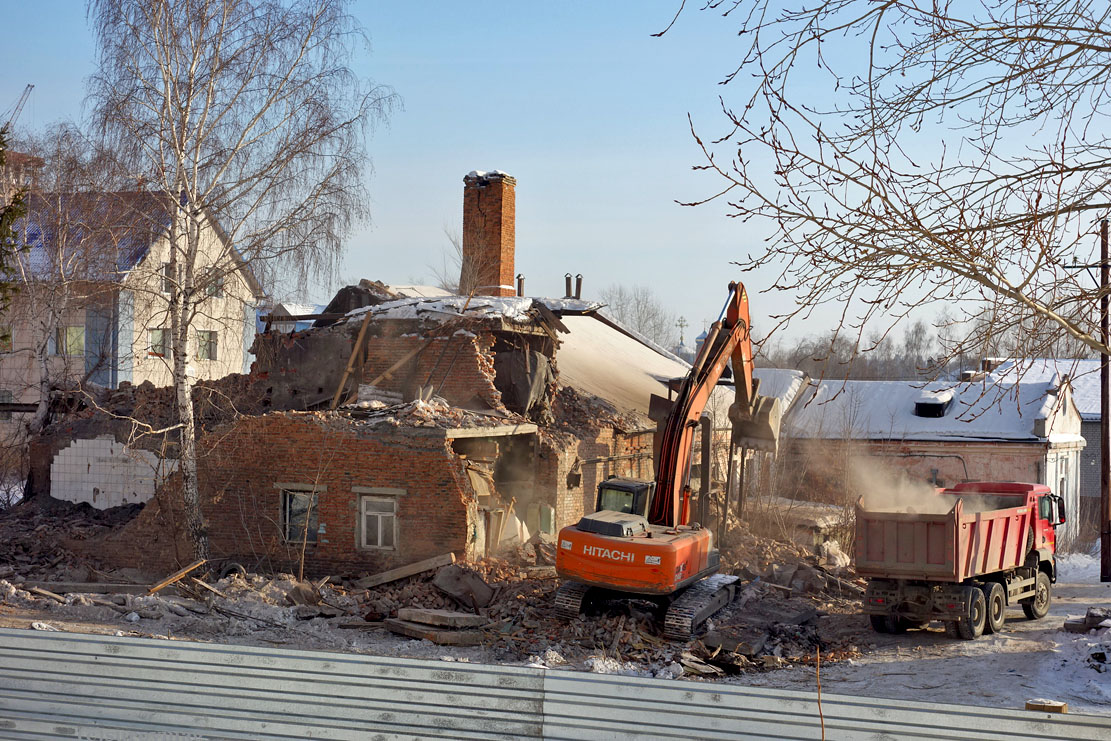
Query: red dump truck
[[992, 545]]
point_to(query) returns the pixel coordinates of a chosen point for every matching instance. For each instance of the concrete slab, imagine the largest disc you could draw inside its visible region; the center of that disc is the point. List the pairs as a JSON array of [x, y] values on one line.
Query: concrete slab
[[445, 618], [444, 637]]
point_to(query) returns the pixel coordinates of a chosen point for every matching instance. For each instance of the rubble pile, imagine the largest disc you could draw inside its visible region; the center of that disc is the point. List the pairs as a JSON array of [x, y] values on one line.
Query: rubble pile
[[788, 606], [435, 412], [32, 537], [584, 414]]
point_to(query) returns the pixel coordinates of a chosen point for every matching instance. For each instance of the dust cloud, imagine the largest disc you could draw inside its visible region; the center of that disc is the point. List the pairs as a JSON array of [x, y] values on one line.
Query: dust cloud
[[887, 490]]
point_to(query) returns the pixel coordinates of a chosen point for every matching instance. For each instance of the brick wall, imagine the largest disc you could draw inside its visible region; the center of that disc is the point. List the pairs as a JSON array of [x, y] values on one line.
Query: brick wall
[[573, 484], [240, 470], [460, 366]]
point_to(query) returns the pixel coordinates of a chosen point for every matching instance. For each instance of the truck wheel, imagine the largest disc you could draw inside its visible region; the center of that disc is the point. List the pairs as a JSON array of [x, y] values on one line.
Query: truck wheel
[[1037, 607], [951, 629], [996, 607], [971, 625], [882, 623]]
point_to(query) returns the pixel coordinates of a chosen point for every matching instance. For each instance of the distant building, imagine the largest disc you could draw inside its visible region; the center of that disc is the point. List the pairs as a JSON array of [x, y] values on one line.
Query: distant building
[[941, 433], [93, 308]]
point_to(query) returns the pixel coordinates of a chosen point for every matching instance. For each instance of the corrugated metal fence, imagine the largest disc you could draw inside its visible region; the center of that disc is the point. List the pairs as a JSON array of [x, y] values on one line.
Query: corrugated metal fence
[[67, 685]]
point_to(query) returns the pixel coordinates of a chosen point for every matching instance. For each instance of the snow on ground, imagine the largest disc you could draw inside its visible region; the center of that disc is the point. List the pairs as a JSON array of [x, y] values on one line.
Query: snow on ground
[[1081, 568], [1027, 660]]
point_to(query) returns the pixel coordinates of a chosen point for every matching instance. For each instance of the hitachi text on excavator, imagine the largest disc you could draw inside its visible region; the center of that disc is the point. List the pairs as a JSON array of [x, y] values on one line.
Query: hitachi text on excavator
[[639, 542]]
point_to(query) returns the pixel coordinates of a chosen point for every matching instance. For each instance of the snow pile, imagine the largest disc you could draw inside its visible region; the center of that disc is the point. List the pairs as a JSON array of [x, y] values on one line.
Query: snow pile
[[16, 597], [1082, 668], [1078, 568]]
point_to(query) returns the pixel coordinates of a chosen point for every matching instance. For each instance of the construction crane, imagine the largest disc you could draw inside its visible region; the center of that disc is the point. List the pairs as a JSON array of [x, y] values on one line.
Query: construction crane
[[19, 106]]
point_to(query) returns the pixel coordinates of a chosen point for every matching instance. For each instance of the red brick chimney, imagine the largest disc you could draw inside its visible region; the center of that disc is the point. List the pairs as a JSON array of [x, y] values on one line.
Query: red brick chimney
[[489, 211]]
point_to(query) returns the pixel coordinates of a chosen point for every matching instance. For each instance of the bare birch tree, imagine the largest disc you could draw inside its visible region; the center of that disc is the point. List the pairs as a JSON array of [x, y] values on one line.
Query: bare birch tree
[[641, 310], [913, 152], [248, 114]]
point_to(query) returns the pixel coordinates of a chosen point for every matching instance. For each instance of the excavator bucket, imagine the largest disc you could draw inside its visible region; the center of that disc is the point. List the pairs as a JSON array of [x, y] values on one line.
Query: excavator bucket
[[756, 428]]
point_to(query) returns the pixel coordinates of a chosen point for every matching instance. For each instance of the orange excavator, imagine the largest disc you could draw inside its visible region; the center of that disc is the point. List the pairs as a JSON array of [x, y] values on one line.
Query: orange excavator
[[639, 543]]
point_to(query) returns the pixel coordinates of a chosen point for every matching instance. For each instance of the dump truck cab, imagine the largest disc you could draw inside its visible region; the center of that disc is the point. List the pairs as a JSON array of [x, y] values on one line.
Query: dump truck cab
[[1049, 509]]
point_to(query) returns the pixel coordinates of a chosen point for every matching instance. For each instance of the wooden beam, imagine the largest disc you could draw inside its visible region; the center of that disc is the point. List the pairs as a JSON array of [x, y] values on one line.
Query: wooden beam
[[176, 576], [351, 360], [403, 571]]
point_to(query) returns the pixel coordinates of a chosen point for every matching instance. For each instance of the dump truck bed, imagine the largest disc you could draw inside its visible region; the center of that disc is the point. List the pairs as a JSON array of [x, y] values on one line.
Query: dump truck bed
[[949, 547]]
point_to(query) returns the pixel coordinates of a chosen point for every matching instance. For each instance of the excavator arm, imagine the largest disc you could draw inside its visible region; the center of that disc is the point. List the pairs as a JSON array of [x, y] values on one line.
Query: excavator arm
[[755, 419]]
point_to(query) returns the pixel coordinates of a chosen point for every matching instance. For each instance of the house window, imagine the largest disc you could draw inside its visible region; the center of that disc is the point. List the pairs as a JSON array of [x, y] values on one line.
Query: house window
[[160, 343], [379, 522], [167, 277], [214, 285], [206, 344], [298, 512], [5, 338], [69, 340], [5, 398]]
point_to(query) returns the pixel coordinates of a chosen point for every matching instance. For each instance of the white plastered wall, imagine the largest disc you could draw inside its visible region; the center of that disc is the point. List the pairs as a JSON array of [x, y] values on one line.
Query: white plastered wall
[[105, 473]]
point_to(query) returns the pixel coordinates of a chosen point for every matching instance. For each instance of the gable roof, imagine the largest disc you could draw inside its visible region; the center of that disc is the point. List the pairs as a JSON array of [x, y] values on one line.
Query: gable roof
[[1083, 377], [91, 235], [101, 236], [885, 410]]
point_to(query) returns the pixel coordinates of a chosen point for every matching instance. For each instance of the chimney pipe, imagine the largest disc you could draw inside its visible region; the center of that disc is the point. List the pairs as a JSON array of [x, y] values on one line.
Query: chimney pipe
[[489, 233], [520, 284], [579, 286], [567, 279]]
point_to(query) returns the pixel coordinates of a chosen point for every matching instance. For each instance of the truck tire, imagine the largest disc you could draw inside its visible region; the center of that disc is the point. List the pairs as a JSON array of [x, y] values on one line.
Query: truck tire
[[1037, 607], [951, 629], [971, 625], [996, 601], [889, 623]]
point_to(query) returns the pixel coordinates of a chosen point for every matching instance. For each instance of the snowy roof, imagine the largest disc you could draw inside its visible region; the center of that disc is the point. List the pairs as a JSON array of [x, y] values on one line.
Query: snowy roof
[[884, 410], [1083, 377], [600, 360], [781, 383], [419, 291], [293, 309], [444, 307]]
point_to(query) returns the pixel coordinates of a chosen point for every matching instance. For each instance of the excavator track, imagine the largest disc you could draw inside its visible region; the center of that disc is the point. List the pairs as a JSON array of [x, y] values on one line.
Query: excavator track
[[569, 599], [696, 604]]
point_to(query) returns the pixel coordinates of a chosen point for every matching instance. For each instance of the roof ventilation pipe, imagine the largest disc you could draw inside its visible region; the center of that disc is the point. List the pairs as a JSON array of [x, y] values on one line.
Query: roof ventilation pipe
[[579, 286], [567, 280], [520, 284]]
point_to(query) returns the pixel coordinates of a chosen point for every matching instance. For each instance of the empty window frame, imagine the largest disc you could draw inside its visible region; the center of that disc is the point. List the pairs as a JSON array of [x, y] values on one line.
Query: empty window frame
[[299, 515], [5, 338], [207, 340], [378, 522], [214, 284], [159, 343], [69, 340], [167, 277], [6, 398]]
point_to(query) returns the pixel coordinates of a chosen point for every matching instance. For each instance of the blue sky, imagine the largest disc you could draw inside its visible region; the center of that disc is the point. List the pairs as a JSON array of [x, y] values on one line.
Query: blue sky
[[574, 99]]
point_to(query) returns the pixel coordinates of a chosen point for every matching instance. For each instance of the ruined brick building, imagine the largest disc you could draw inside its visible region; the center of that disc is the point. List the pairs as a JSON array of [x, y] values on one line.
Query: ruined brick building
[[394, 429]]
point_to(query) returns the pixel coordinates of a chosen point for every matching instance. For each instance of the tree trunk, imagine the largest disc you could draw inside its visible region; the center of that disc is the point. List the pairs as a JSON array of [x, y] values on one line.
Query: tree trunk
[[190, 490], [38, 422], [180, 308]]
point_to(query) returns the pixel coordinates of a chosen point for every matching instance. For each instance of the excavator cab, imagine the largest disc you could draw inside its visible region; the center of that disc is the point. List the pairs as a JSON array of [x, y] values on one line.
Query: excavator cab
[[628, 496]]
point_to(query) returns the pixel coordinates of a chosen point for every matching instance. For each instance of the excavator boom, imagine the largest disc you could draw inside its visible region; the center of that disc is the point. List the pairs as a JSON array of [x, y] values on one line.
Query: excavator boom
[[651, 552], [755, 419]]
